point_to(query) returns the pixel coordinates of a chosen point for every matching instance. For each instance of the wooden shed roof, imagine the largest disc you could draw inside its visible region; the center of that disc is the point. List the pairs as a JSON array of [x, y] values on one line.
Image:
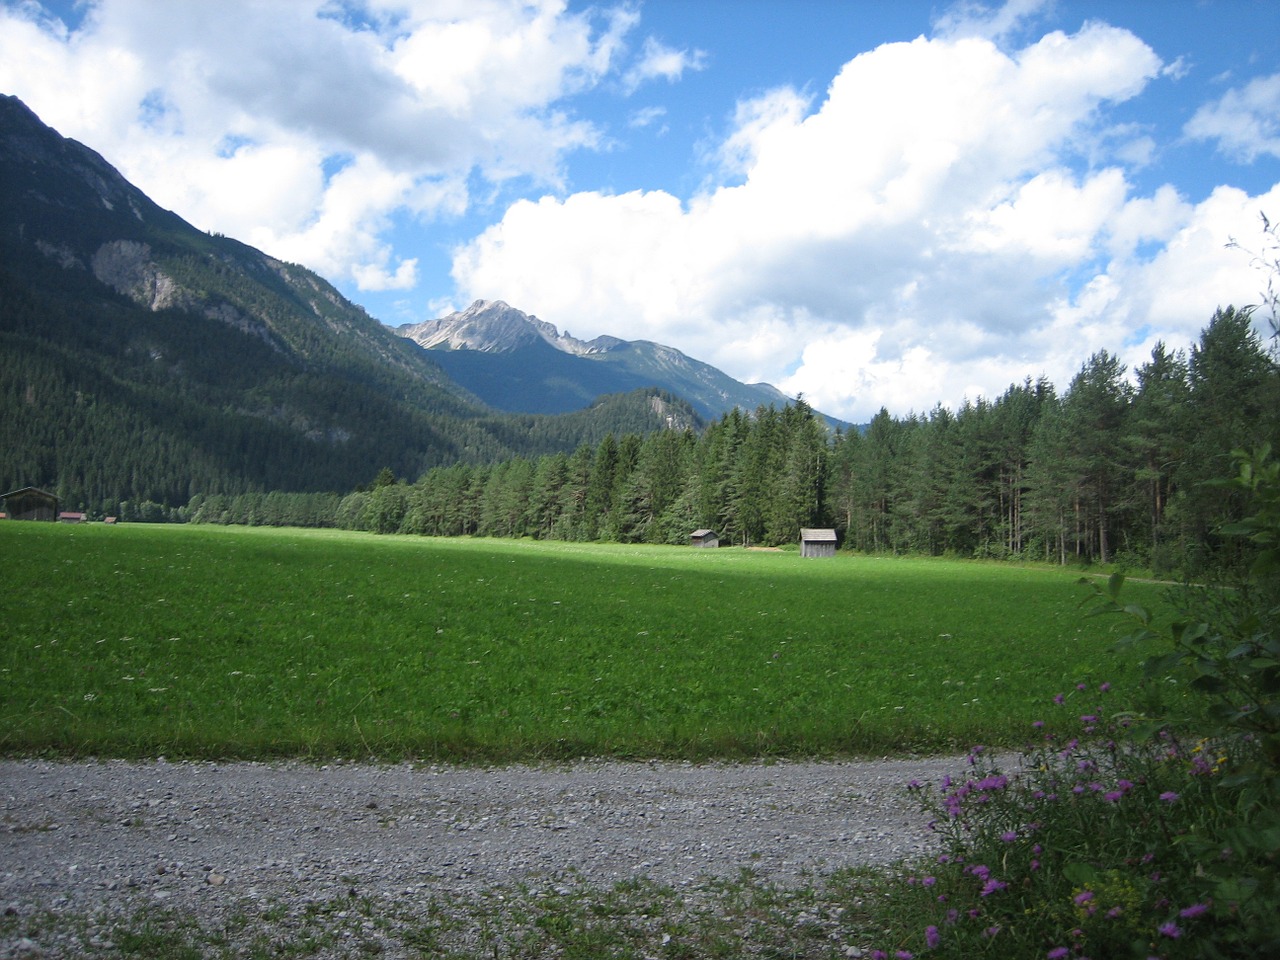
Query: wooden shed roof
[[817, 535], [29, 490]]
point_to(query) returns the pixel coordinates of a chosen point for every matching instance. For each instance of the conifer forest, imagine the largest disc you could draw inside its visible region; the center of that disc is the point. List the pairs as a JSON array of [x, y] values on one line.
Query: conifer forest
[[1116, 467]]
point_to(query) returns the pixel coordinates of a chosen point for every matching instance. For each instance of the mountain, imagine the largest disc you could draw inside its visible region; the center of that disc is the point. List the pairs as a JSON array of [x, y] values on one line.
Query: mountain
[[143, 359], [514, 361]]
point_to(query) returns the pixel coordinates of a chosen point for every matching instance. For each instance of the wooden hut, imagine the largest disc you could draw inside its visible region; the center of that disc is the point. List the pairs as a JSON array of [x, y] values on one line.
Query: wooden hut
[[704, 538], [817, 542], [30, 503]]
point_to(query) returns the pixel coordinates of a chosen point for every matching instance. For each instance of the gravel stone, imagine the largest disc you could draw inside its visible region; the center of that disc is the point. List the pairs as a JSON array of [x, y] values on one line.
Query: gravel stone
[[197, 837]]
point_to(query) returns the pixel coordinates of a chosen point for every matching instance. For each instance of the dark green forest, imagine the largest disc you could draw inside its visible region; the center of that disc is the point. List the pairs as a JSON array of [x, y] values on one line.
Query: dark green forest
[[1113, 468], [132, 412]]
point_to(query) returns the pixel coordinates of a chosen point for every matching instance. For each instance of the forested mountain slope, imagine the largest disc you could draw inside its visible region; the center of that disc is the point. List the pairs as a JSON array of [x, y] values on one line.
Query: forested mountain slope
[[144, 360]]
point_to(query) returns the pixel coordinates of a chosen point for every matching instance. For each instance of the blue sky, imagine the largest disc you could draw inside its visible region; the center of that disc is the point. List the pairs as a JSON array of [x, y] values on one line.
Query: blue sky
[[872, 203]]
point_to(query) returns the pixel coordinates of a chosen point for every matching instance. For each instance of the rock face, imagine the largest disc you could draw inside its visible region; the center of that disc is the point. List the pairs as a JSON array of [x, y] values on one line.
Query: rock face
[[126, 267], [492, 326]]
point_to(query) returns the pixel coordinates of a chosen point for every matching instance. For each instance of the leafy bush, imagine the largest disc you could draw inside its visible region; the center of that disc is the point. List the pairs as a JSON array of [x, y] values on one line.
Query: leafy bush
[[1118, 835]]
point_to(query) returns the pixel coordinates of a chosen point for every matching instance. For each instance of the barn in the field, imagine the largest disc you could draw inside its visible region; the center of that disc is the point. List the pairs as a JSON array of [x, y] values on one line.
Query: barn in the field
[[817, 542], [30, 503]]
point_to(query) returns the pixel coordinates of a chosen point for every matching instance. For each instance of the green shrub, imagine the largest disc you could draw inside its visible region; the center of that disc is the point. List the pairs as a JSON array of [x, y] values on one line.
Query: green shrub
[[1119, 835]]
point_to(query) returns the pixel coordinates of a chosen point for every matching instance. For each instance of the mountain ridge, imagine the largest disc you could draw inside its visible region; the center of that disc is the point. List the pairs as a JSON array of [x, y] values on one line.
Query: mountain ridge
[[516, 361]]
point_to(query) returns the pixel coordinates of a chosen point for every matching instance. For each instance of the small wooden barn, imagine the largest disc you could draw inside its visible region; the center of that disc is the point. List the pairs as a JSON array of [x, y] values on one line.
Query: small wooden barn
[[29, 503], [817, 542], [704, 538]]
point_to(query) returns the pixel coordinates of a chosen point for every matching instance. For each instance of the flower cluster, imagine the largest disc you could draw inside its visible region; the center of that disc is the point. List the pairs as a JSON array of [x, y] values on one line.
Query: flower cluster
[[1082, 852]]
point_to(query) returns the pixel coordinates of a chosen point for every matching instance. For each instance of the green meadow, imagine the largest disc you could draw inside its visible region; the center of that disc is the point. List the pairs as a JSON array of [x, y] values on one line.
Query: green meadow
[[224, 642]]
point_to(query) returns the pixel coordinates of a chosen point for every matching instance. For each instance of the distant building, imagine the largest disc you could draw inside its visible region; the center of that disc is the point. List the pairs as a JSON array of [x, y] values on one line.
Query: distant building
[[817, 542], [68, 516], [704, 538], [30, 503]]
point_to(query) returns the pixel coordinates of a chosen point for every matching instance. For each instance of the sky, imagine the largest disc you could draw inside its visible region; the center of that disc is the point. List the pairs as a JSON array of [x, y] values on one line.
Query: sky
[[873, 203]]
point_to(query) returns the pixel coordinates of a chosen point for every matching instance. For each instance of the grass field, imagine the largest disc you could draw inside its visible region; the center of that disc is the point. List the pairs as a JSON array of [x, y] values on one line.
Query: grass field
[[140, 640]]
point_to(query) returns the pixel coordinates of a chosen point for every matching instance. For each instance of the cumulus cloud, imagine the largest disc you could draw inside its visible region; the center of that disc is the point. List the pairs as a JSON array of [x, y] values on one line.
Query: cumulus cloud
[[1245, 122], [925, 233], [238, 113], [952, 214]]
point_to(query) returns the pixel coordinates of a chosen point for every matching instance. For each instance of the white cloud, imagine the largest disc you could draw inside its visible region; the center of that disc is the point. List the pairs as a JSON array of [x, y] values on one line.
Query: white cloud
[[647, 117], [1245, 122], [913, 239], [236, 112], [1050, 218], [955, 214], [970, 18], [659, 61]]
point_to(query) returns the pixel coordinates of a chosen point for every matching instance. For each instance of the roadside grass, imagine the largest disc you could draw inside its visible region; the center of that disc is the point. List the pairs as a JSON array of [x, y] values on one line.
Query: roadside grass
[[140, 640], [833, 917]]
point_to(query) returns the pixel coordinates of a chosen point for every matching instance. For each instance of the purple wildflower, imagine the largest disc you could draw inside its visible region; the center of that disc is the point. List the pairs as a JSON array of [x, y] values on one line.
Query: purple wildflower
[[931, 936], [1113, 796], [1058, 698], [1193, 911], [1009, 836], [1168, 796], [904, 955], [992, 886], [1057, 953], [1083, 897], [1104, 687], [1170, 930]]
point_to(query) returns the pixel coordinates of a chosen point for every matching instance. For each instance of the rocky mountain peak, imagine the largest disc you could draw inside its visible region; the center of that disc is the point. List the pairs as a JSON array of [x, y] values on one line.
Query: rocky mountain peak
[[494, 326]]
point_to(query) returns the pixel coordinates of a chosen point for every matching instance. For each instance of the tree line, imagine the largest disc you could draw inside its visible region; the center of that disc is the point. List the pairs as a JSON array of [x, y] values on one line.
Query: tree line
[[1113, 468]]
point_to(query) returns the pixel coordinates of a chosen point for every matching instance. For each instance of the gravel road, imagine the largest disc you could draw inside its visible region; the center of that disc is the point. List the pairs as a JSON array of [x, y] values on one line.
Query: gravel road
[[198, 837]]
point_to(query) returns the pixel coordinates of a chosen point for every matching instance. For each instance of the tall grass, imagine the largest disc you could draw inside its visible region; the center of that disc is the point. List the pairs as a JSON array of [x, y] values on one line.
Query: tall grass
[[236, 642]]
